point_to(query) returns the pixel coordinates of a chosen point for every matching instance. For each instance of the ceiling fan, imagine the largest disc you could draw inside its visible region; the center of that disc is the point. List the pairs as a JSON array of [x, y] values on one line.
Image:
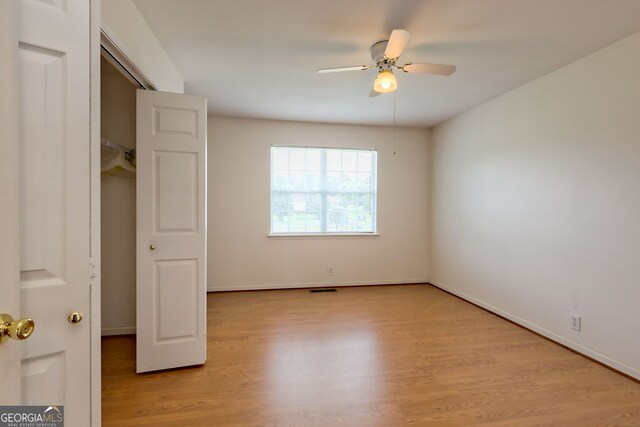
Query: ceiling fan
[[385, 55]]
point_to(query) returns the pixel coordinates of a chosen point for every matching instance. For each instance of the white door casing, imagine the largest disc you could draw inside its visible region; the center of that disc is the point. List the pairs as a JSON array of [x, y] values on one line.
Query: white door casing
[[52, 166], [171, 230]]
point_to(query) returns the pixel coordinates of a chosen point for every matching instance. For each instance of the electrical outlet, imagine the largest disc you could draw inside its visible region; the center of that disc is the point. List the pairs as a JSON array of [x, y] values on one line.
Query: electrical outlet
[[331, 271], [574, 320]]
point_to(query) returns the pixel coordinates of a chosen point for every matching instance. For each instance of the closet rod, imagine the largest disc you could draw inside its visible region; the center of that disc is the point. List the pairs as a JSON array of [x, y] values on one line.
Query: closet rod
[[106, 143]]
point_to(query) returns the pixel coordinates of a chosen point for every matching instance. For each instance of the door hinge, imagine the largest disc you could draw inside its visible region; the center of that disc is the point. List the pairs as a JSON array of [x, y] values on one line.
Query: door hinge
[[92, 271]]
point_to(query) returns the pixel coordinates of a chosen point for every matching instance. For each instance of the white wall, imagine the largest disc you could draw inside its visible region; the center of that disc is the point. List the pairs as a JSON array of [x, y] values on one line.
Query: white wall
[[125, 25], [118, 208], [536, 204], [241, 256]]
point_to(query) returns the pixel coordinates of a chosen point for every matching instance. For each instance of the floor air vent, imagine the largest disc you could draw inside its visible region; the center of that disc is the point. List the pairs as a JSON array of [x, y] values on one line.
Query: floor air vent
[[313, 291]]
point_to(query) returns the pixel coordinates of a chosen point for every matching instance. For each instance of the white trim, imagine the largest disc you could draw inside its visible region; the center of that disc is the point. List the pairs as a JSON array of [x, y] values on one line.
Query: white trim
[[615, 364], [321, 235], [118, 330], [10, 218], [112, 53], [262, 287], [94, 214], [324, 148]]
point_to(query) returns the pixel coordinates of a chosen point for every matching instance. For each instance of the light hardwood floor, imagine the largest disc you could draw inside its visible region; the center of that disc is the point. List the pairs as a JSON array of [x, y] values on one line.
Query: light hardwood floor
[[366, 356]]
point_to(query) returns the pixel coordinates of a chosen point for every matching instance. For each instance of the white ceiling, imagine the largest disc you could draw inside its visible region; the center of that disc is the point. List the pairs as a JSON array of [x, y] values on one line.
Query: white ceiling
[[257, 58]]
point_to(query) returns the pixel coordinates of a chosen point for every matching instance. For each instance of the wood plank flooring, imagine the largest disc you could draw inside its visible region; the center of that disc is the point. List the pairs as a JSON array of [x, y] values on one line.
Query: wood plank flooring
[[365, 356]]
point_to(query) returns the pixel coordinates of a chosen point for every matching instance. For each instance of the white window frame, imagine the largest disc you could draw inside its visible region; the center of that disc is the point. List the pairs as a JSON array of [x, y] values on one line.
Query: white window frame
[[355, 234]]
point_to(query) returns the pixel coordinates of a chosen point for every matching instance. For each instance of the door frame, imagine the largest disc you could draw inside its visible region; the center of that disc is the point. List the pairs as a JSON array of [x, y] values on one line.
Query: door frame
[[12, 30], [102, 45], [94, 215]]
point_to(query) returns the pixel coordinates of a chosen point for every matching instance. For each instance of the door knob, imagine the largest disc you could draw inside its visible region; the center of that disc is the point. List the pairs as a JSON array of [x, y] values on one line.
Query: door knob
[[15, 329], [75, 317], [152, 247]]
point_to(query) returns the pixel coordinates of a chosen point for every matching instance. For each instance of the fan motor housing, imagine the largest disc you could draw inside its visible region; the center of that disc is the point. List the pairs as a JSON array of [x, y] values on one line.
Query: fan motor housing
[[377, 51]]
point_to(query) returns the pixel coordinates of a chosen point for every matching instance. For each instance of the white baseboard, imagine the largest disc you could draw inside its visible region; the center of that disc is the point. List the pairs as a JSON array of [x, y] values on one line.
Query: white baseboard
[[312, 285], [604, 359], [124, 330]]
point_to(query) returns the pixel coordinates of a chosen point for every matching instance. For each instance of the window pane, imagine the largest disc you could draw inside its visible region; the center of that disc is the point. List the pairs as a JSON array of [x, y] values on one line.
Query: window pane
[[297, 159], [296, 222], [280, 180], [279, 203], [363, 181], [314, 160], [298, 202], [350, 161], [332, 182], [334, 160], [349, 212], [295, 180], [313, 181], [348, 182], [280, 159], [314, 202], [364, 161], [313, 222], [280, 222]]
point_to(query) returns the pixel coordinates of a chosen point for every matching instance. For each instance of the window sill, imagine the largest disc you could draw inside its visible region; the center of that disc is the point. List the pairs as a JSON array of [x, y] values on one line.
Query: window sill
[[323, 235]]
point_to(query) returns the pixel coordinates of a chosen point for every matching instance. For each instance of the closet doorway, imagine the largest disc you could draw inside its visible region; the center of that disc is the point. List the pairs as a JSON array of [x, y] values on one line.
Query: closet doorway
[[153, 218], [118, 200]]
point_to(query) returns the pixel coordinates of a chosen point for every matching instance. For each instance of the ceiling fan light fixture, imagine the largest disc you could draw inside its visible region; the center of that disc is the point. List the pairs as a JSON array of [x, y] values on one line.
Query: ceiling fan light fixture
[[385, 55], [385, 82]]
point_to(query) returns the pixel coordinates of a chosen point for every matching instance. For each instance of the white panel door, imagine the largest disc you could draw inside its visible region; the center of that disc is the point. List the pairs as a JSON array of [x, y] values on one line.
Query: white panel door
[[171, 230], [52, 59]]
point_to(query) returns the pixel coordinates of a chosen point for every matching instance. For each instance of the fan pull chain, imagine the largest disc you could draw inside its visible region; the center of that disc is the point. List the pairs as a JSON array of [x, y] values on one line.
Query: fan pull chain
[[394, 124]]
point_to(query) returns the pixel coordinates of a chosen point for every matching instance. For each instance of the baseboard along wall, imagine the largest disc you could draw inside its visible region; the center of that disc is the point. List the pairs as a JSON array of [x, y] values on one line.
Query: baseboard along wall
[[262, 287], [585, 351]]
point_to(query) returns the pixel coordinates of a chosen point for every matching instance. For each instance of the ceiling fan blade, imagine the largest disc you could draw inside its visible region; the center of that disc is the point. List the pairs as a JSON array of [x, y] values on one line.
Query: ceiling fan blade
[[397, 42], [374, 93], [340, 69], [440, 69]]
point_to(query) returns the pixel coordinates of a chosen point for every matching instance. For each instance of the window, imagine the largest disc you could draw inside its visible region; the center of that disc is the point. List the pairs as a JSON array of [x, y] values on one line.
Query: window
[[323, 190]]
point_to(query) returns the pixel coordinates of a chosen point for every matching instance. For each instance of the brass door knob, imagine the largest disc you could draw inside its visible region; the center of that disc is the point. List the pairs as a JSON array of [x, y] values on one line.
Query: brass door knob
[[15, 329], [152, 247], [75, 317]]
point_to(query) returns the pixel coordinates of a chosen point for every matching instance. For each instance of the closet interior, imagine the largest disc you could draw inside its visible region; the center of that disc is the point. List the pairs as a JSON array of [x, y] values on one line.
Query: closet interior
[[118, 200]]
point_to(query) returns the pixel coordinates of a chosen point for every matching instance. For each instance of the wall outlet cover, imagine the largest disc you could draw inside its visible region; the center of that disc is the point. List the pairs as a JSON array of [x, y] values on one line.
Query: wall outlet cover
[[574, 322]]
